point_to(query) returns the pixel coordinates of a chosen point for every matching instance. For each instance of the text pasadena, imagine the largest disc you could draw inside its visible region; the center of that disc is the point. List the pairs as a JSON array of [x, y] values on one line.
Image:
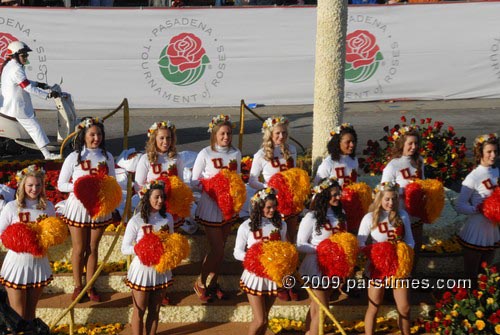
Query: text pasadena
[[182, 22]]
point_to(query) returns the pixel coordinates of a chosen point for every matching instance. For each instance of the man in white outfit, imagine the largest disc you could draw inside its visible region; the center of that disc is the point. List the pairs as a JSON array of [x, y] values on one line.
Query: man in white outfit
[[16, 90]]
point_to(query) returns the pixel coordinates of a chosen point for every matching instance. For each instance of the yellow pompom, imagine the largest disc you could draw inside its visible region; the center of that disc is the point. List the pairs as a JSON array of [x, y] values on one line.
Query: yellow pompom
[[237, 189], [299, 183], [349, 243], [51, 231], [364, 193], [434, 192], [279, 259], [405, 259], [109, 195], [180, 199], [176, 248]]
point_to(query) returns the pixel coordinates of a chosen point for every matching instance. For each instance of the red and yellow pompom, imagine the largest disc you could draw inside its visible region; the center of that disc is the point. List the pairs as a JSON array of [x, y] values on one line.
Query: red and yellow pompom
[[272, 260], [356, 199], [388, 259], [425, 199], [337, 254], [21, 237], [176, 248], [179, 198], [228, 190], [292, 186], [100, 194], [51, 231], [149, 249], [491, 206]]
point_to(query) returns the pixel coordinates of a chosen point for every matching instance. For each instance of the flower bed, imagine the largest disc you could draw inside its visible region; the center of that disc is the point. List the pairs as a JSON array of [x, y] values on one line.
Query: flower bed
[[67, 267], [90, 329]]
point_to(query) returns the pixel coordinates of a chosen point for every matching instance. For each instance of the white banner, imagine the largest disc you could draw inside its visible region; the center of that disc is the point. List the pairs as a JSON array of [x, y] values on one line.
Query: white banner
[[217, 56]]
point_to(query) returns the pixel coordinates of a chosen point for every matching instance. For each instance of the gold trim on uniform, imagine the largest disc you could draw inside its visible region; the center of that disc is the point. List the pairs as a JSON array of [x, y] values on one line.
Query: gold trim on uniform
[[179, 223], [257, 293], [478, 247], [25, 286], [147, 288], [92, 225]]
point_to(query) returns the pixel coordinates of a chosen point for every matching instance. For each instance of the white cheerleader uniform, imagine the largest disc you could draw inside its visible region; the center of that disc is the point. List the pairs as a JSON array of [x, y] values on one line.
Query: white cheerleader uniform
[[384, 231], [208, 163], [345, 170], [308, 239], [164, 166], [478, 232], [139, 276], [23, 270], [74, 213], [250, 282], [269, 168]]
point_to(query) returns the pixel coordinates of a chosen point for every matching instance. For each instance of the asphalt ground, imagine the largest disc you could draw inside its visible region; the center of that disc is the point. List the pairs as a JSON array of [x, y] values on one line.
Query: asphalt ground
[[469, 118]]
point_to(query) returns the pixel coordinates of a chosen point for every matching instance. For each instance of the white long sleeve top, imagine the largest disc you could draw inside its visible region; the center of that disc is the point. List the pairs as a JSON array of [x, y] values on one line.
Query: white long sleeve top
[[308, 238], [71, 171], [13, 214], [384, 231], [269, 168], [208, 163], [146, 171], [345, 169], [16, 90], [401, 171], [246, 238], [476, 187], [134, 232]]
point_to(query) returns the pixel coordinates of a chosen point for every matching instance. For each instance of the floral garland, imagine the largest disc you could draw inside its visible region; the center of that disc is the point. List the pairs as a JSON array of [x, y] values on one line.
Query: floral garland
[[397, 133], [89, 122], [162, 124], [271, 122], [338, 129], [28, 170], [386, 186], [325, 184], [482, 138], [150, 185], [263, 194], [219, 119]]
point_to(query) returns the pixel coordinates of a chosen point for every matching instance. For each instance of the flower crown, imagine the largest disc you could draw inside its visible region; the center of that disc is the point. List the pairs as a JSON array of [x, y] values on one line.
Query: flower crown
[[385, 186], [263, 194], [87, 123], [219, 119], [150, 185], [483, 138], [396, 134], [162, 124], [338, 129], [274, 121], [30, 169], [327, 183]]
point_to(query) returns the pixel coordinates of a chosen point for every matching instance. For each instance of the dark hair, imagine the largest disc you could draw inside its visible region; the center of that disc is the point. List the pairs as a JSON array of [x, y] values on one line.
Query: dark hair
[[397, 151], [256, 214], [79, 142], [479, 147], [333, 145], [145, 204], [321, 203]]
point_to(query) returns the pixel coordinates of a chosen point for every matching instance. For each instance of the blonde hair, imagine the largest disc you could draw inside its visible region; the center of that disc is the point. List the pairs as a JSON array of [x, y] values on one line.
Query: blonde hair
[[215, 129], [376, 208], [268, 145], [152, 150], [21, 193]]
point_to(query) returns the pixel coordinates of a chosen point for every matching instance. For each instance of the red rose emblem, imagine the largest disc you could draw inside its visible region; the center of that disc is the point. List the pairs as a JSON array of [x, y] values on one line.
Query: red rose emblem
[[185, 51], [361, 48], [5, 40]]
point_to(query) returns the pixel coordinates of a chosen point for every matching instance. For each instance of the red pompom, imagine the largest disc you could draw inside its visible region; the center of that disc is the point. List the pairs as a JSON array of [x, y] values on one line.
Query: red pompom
[[284, 194], [86, 190], [491, 206], [19, 237], [332, 259], [383, 259], [218, 188], [149, 249], [415, 201], [252, 260], [353, 207]]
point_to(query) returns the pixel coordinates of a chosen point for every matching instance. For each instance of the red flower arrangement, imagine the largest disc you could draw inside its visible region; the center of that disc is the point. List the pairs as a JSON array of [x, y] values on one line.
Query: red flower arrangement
[[443, 152]]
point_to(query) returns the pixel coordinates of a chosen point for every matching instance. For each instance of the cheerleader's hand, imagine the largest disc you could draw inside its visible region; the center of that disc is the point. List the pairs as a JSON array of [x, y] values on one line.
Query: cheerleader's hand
[[479, 208]]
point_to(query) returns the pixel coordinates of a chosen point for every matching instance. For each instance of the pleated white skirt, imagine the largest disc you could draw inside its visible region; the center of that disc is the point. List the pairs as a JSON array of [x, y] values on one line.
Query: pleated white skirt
[[75, 214], [255, 285], [480, 232], [23, 270], [145, 278]]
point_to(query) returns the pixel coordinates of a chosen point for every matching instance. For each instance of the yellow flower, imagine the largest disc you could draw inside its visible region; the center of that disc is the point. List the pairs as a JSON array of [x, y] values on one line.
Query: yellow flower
[[466, 323], [497, 329], [480, 324], [454, 313], [479, 314], [490, 301]]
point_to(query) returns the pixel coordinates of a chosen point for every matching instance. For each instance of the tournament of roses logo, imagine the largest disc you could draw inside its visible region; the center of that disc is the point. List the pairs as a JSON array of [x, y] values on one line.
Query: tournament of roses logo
[[184, 60], [363, 56], [495, 57], [5, 40]]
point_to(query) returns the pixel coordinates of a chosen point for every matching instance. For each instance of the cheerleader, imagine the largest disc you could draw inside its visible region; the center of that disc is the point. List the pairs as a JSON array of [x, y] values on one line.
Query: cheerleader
[[219, 155], [325, 218], [148, 286], [405, 166], [90, 156], [23, 275], [479, 236], [342, 162], [264, 224], [386, 222]]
